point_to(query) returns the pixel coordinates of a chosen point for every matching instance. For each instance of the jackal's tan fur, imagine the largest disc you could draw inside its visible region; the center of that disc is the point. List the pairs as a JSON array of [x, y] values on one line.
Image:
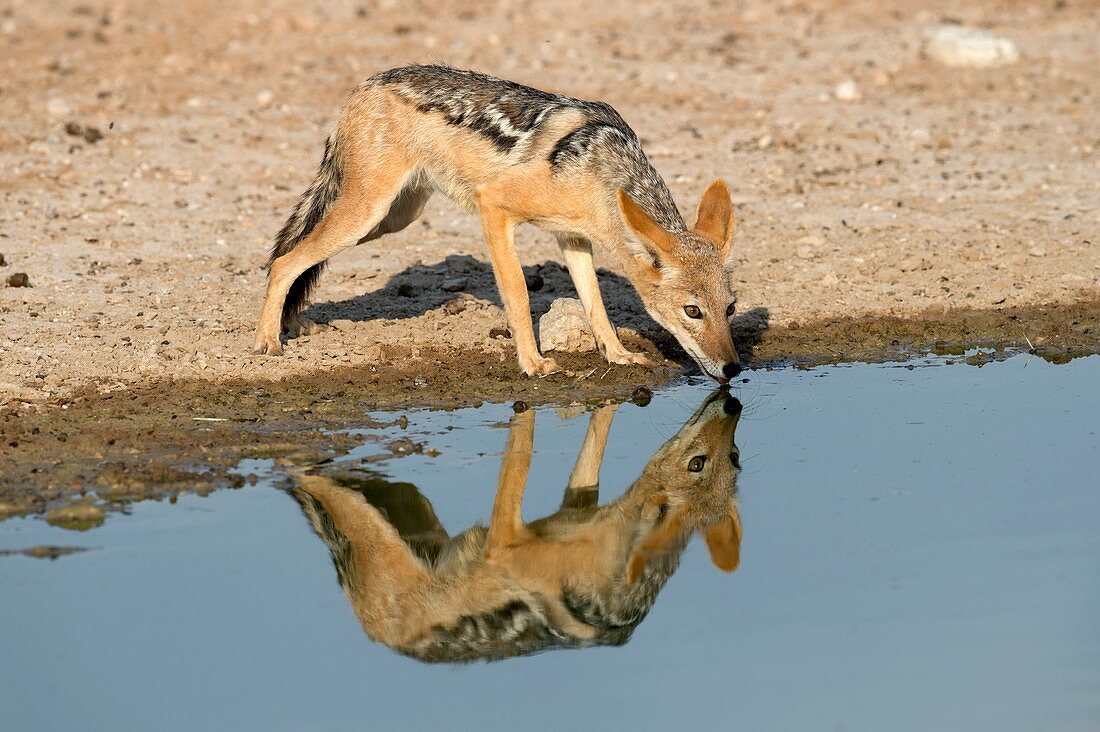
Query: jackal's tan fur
[[586, 575], [514, 155]]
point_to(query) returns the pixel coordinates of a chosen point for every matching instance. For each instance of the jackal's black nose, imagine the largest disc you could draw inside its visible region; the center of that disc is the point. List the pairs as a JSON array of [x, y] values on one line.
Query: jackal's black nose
[[731, 369], [732, 406]]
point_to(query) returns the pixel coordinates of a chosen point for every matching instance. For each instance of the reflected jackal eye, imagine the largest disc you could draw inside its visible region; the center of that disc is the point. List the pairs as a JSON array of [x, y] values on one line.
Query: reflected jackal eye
[[696, 463], [731, 309]]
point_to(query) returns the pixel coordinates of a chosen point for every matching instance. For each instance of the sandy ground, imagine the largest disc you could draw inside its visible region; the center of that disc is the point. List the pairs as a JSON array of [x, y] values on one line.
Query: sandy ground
[[939, 188]]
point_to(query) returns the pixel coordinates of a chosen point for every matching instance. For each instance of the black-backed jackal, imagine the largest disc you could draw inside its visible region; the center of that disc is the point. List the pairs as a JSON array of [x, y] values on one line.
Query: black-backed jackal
[[585, 576], [515, 155]]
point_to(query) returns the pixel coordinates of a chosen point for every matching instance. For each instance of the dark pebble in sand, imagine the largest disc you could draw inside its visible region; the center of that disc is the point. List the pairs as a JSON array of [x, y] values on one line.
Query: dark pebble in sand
[[3, 262], [519, 406], [90, 134], [19, 279], [405, 290], [535, 282], [642, 396], [500, 333]]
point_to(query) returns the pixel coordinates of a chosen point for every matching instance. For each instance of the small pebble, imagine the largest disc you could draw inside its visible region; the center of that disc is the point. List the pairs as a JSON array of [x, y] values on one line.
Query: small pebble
[[89, 134], [57, 107], [642, 396], [519, 406], [454, 307], [3, 262], [847, 91], [456, 284], [19, 279], [499, 332]]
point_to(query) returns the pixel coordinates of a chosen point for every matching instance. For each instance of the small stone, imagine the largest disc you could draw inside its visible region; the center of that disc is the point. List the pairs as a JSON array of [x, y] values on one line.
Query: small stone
[[19, 279], [454, 307], [80, 517], [455, 284], [89, 134], [265, 98], [804, 253], [405, 290], [793, 325], [535, 282], [847, 91], [1037, 252], [565, 328], [3, 262], [764, 142], [911, 263], [811, 241], [830, 279], [58, 107], [641, 396], [519, 406], [499, 332], [953, 45]]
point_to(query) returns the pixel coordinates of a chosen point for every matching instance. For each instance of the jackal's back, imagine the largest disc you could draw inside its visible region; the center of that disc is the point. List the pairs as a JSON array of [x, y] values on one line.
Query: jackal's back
[[511, 116]]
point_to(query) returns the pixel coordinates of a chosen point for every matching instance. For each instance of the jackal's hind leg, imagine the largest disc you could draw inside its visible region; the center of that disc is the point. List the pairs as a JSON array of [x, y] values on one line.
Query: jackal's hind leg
[[358, 210], [577, 253], [499, 233]]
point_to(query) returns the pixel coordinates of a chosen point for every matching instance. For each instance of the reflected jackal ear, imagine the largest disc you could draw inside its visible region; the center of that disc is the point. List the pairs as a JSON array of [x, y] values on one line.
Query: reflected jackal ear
[[724, 540], [658, 540]]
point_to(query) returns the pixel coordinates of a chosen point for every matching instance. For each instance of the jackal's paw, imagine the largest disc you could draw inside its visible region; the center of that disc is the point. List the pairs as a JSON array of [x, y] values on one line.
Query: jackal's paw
[[628, 357], [304, 326], [268, 345], [540, 367]]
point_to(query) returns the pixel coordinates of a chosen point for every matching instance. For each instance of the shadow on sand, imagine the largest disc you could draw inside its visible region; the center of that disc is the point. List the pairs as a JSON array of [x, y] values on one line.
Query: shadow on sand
[[421, 288]]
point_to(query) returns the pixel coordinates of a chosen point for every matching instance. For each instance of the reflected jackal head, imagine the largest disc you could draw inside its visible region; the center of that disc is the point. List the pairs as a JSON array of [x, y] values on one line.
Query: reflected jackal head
[[586, 575]]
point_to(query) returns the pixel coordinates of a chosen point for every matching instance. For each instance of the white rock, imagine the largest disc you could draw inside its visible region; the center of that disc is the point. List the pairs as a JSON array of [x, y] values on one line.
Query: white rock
[[847, 91], [564, 327], [58, 107], [265, 98], [954, 45]]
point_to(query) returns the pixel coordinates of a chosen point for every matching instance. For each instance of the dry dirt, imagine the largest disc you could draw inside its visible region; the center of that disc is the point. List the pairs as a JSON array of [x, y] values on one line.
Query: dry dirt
[[149, 151]]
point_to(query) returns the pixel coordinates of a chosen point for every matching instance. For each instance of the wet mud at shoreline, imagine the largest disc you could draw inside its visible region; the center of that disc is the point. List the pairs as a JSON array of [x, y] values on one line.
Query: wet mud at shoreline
[[96, 451]]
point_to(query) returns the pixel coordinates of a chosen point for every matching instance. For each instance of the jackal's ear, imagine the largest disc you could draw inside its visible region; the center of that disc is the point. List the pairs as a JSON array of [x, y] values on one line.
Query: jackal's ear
[[715, 218], [658, 540], [659, 243], [724, 540]]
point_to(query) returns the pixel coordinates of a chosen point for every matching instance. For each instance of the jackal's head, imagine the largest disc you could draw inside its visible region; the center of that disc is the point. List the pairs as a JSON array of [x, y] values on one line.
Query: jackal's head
[[686, 283], [696, 472]]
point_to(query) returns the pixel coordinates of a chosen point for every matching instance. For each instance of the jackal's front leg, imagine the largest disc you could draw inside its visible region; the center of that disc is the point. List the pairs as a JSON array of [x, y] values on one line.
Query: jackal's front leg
[[583, 489], [577, 253], [499, 231], [506, 527]]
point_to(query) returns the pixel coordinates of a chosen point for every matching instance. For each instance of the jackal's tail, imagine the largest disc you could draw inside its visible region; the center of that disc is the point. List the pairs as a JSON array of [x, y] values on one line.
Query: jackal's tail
[[308, 212]]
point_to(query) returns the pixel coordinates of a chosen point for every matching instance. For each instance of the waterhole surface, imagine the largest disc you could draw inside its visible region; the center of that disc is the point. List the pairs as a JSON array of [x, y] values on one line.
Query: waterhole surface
[[883, 547]]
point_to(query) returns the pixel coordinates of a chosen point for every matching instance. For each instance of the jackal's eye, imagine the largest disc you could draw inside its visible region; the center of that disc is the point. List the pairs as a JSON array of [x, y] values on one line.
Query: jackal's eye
[[731, 309], [693, 311], [696, 463]]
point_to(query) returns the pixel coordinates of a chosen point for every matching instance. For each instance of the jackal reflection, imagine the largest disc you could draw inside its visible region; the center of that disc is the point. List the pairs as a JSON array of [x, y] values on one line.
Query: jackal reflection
[[584, 576]]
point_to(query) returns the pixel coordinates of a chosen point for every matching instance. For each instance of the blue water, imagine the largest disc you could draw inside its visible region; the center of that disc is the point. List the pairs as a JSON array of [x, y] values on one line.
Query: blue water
[[921, 551]]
